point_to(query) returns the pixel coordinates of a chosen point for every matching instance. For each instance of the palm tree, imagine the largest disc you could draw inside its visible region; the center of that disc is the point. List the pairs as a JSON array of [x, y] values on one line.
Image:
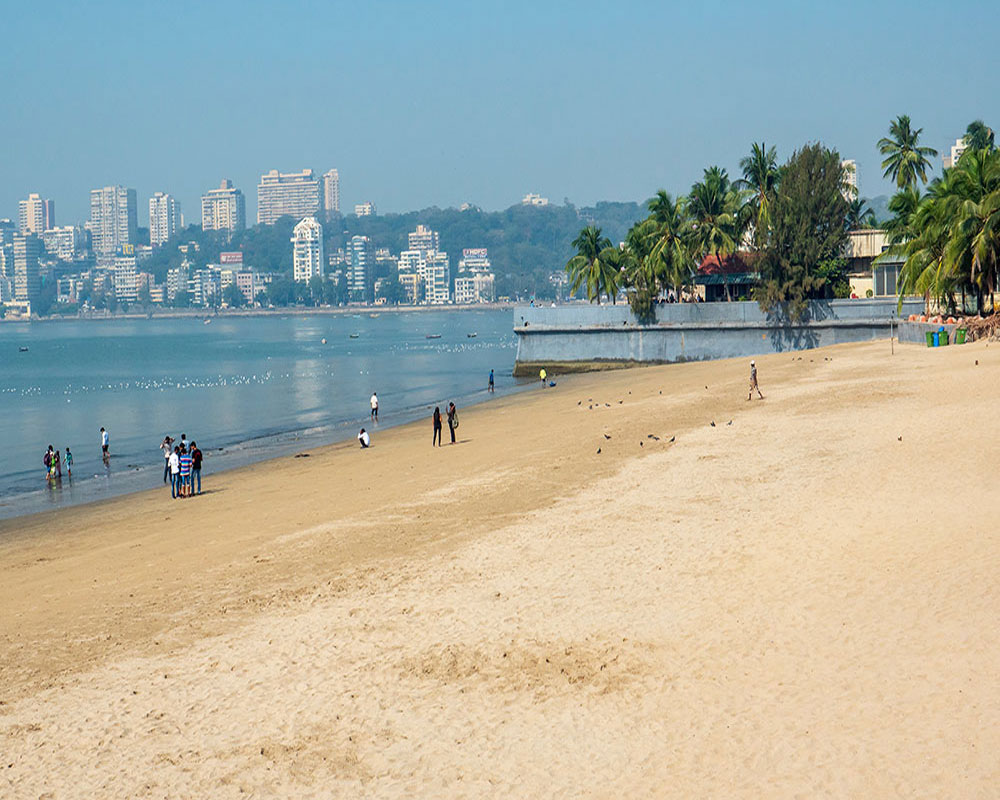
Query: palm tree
[[670, 232], [761, 176], [715, 206], [978, 136], [859, 215], [905, 160], [588, 268]]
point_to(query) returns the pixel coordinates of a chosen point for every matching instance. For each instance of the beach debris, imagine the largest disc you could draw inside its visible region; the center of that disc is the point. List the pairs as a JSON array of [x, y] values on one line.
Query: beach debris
[[598, 451], [672, 439], [985, 328], [607, 405], [590, 407], [620, 402], [713, 423], [606, 436], [899, 438]]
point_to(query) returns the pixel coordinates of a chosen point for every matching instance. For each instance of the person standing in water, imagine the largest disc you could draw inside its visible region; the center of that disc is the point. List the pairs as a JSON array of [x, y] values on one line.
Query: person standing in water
[[452, 420], [490, 387], [753, 382], [105, 445], [374, 403], [437, 427], [69, 463]]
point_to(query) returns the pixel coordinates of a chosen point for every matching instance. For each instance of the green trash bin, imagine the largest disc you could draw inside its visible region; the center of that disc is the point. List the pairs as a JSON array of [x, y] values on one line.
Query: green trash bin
[[943, 337], [960, 336], [930, 338]]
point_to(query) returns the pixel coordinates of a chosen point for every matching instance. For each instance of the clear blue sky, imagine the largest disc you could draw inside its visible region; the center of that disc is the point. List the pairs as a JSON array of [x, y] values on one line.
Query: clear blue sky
[[421, 104]]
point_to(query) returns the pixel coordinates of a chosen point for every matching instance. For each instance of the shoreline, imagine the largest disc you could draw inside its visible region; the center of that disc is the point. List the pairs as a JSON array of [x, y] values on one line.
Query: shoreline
[[596, 591]]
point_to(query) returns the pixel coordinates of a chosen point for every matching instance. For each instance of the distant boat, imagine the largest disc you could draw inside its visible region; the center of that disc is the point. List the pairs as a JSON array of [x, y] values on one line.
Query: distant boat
[[373, 316], [208, 322], [355, 335], [23, 349], [433, 336], [472, 335]]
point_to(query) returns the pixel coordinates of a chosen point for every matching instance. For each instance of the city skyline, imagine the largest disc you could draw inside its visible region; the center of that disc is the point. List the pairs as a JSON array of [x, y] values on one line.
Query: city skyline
[[494, 109]]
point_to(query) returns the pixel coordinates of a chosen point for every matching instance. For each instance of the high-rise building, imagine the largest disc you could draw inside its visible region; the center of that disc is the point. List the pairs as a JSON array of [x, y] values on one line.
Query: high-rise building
[[850, 168], [27, 274], [294, 194], [64, 243], [365, 209], [957, 150], [126, 275], [437, 278], [424, 239], [164, 218], [475, 281], [361, 275], [331, 193], [224, 209], [112, 220], [307, 250], [36, 214]]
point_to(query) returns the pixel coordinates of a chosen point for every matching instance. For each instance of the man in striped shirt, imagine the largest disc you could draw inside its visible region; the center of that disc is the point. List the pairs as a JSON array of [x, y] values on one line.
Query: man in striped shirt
[[185, 473]]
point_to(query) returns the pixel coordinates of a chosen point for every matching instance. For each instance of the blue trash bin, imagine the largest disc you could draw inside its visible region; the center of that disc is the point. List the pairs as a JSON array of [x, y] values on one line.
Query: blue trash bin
[[937, 340]]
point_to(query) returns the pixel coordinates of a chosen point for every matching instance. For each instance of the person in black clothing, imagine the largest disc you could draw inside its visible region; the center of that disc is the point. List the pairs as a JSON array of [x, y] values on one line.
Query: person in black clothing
[[437, 427], [452, 420], [195, 466]]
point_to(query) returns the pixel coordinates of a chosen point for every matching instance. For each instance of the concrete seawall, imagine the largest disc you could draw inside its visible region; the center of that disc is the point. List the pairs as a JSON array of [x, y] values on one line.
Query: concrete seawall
[[576, 337]]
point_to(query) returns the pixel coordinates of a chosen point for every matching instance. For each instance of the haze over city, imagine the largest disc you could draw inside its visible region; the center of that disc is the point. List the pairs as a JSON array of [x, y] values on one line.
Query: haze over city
[[585, 101]]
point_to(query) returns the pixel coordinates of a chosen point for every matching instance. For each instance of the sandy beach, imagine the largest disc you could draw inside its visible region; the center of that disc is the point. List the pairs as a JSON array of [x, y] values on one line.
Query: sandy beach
[[596, 593]]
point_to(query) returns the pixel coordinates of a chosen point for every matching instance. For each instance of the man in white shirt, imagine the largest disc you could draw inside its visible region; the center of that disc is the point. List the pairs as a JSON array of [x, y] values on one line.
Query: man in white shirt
[[374, 402], [105, 444], [364, 439], [175, 470]]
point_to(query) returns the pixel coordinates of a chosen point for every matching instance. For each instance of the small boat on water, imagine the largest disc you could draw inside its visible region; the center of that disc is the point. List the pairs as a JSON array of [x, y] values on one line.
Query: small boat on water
[[355, 335], [471, 335], [208, 322], [433, 336], [22, 349]]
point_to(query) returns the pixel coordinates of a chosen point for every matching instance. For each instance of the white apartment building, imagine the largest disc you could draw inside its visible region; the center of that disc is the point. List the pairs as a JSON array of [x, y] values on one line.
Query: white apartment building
[[850, 167], [35, 214], [331, 192], [27, 277], [471, 289], [307, 250], [957, 150], [534, 200], [112, 220], [437, 278], [365, 209], [164, 218], [125, 275], [64, 243], [224, 209], [361, 274], [294, 194], [424, 239]]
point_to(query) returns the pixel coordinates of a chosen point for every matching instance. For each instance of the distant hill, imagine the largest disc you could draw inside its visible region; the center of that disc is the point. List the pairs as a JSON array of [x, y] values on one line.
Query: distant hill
[[880, 205]]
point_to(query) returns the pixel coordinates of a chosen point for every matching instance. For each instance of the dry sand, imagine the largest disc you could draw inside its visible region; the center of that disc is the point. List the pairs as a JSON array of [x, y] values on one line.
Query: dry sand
[[798, 604]]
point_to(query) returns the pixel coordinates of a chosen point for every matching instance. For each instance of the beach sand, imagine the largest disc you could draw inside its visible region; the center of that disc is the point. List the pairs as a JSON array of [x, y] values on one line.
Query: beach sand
[[797, 604]]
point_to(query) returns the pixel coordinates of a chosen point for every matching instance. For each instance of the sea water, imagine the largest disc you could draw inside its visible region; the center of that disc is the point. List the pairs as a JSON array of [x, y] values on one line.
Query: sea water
[[244, 388]]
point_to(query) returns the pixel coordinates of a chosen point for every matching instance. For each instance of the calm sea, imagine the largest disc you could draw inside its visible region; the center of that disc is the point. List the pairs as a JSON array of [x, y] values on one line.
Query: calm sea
[[245, 388]]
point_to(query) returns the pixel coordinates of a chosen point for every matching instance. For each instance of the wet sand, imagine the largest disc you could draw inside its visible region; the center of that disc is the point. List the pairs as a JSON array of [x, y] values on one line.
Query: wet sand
[[800, 603]]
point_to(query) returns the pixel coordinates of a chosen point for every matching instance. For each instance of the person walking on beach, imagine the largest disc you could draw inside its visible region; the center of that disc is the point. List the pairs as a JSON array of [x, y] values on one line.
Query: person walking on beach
[[542, 375], [166, 449], [195, 466], [69, 463], [437, 427], [185, 476], [753, 382], [105, 445], [452, 420], [490, 388], [175, 470], [364, 439], [374, 403]]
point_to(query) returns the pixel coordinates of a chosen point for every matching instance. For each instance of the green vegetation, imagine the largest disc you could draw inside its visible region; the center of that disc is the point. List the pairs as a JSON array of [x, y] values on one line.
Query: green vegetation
[[949, 236], [905, 160]]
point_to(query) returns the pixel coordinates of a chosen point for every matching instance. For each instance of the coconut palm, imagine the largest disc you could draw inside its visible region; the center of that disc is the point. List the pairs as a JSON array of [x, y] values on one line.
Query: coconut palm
[[587, 268], [978, 136], [670, 234], [905, 160], [859, 215], [761, 176], [715, 205]]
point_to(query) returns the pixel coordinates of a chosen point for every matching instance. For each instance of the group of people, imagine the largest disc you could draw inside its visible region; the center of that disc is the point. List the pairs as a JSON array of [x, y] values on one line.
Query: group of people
[[451, 416], [182, 466], [54, 461]]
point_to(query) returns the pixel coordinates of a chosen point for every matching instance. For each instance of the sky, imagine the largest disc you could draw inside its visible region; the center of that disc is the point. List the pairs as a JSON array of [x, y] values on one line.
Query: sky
[[440, 103]]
